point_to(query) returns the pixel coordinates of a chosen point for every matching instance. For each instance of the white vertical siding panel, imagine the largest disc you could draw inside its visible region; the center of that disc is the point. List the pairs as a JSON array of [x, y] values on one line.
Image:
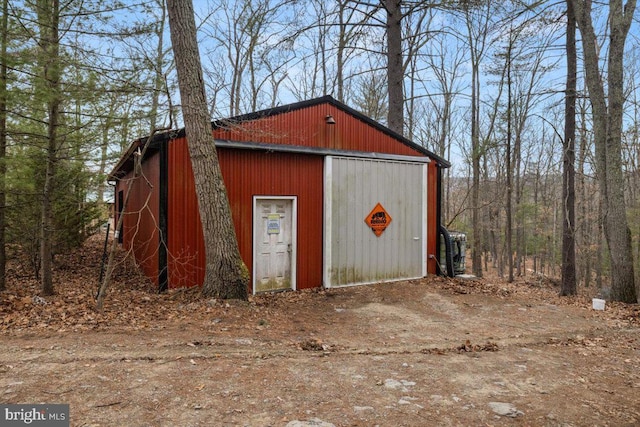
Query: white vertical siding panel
[[356, 255]]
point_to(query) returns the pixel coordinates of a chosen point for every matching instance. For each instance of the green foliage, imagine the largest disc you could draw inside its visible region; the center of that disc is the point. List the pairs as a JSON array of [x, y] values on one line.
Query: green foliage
[[97, 92], [73, 214]]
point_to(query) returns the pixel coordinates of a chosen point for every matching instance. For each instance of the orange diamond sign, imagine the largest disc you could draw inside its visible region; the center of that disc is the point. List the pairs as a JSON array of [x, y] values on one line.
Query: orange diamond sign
[[378, 219]]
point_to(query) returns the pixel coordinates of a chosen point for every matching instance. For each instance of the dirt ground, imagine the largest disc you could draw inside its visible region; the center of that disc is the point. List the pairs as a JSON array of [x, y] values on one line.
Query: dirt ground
[[430, 352]]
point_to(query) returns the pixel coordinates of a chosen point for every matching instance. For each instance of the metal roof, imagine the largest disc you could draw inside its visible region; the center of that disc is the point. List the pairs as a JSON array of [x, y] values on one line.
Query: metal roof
[[126, 162]]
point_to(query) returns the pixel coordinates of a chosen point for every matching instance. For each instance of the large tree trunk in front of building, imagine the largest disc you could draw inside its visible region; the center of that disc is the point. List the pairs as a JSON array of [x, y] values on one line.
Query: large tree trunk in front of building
[[395, 69], [568, 286], [226, 275], [607, 128]]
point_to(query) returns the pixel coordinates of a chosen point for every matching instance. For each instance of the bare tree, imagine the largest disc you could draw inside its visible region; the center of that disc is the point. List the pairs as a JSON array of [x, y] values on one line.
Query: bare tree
[[252, 35], [568, 286], [226, 275], [369, 94], [312, 42], [4, 28], [585, 235], [512, 35], [607, 120], [478, 22], [158, 65], [417, 36], [438, 120]]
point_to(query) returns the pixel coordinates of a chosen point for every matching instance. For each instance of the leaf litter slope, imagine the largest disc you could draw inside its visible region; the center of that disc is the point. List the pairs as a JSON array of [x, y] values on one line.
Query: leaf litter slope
[[422, 352]]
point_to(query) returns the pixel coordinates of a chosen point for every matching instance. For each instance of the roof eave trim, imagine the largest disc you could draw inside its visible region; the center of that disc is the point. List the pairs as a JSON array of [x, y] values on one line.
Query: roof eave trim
[[299, 149]]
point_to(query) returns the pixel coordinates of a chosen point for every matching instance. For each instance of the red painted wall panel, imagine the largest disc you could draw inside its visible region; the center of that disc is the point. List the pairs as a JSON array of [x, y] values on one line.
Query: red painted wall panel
[[140, 225], [185, 247], [307, 127], [249, 173], [246, 174]]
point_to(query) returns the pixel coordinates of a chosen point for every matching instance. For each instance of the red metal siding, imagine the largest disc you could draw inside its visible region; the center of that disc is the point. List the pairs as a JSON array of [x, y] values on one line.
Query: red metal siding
[[256, 173], [249, 174], [140, 225], [185, 254], [307, 127], [246, 174]]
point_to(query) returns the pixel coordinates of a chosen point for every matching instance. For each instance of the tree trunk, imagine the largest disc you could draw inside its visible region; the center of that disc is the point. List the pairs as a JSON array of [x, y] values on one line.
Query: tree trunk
[[4, 27], [568, 286], [476, 249], [340, 54], [607, 126], [599, 247], [520, 249], [158, 79], [395, 70], [226, 275], [477, 33], [508, 167], [48, 17], [616, 226], [104, 153]]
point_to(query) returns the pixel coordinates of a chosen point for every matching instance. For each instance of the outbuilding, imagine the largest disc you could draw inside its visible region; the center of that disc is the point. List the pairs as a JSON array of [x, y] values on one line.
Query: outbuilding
[[320, 194]]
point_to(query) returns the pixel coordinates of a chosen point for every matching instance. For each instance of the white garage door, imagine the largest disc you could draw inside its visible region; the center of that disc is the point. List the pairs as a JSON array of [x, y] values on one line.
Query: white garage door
[[375, 220]]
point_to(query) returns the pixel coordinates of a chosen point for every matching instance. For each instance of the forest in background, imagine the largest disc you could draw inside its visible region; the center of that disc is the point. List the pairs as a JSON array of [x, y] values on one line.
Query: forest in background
[[480, 83]]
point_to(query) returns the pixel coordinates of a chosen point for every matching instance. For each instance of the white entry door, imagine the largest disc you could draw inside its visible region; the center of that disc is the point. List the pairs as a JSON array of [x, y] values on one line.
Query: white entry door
[[274, 245]]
